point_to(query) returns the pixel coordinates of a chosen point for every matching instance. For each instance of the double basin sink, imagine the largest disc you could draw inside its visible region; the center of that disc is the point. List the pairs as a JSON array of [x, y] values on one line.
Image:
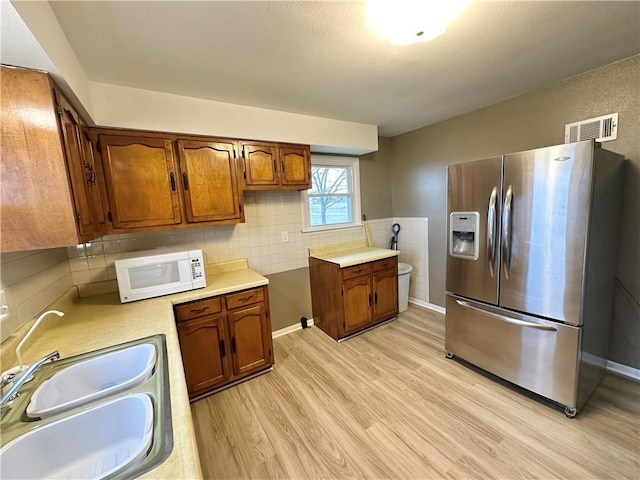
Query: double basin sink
[[103, 414]]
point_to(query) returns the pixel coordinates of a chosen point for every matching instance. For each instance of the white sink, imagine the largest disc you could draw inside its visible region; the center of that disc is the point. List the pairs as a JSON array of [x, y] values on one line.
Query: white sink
[[92, 380], [93, 443]]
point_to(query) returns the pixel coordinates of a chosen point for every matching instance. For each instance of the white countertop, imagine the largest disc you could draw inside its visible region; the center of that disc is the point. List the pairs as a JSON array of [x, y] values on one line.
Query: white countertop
[[352, 253]]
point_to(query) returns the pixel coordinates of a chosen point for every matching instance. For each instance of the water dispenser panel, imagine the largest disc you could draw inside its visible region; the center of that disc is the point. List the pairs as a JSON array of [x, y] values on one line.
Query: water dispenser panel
[[464, 234]]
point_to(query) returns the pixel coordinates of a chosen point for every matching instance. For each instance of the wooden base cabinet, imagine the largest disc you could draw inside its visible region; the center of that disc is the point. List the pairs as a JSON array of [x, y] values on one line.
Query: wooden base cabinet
[[347, 300], [224, 339]]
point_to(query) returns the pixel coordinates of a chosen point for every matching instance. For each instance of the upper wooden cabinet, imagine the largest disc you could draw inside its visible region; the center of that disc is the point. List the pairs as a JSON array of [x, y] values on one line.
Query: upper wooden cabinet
[[272, 166], [85, 174], [210, 180], [156, 181], [295, 166], [142, 181], [50, 189]]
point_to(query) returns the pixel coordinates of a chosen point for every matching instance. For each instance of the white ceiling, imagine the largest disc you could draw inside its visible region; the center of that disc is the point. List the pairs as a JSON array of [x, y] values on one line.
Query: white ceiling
[[322, 59]]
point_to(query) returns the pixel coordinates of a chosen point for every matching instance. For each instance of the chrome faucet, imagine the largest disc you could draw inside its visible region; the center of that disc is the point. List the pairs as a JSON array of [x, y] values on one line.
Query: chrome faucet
[[12, 393]]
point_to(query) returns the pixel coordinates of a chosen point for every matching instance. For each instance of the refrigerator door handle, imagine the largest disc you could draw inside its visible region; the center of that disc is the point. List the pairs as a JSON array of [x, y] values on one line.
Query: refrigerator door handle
[[513, 321], [491, 231], [506, 231]]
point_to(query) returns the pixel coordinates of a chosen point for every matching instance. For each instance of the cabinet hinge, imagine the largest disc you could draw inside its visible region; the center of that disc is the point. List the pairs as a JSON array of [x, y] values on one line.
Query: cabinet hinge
[[98, 147], [239, 205], [234, 153], [244, 174], [243, 153], [342, 292], [59, 109], [109, 216], [78, 219]]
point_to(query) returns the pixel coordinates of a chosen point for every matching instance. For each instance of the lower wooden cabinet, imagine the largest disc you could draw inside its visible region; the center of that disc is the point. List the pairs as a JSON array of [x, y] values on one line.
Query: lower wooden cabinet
[[204, 352], [224, 339], [347, 300]]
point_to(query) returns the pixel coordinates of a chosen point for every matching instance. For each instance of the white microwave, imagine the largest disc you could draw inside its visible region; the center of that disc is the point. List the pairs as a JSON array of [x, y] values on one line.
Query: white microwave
[[153, 273]]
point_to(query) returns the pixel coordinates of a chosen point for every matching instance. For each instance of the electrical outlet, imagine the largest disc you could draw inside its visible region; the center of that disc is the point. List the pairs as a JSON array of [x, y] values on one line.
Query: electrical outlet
[[285, 237]]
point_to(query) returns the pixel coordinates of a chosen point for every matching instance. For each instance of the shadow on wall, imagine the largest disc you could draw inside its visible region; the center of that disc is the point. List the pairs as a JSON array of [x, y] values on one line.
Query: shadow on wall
[[289, 297]]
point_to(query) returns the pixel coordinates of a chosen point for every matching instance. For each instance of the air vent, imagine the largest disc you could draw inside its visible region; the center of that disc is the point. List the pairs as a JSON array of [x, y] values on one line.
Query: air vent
[[602, 129]]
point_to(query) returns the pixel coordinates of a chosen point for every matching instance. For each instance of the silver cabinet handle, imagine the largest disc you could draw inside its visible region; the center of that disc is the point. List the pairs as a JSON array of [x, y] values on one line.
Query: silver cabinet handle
[[491, 231], [506, 231], [513, 321]]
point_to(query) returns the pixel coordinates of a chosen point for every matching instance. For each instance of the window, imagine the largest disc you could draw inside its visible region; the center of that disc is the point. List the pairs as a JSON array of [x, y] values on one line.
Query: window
[[334, 198]]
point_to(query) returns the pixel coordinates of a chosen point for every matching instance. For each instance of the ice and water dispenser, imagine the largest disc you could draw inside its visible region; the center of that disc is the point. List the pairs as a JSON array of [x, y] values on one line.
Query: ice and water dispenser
[[464, 234]]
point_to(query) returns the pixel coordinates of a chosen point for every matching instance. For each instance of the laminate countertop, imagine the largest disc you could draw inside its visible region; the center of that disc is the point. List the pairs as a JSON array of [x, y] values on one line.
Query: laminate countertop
[[352, 253], [99, 321]]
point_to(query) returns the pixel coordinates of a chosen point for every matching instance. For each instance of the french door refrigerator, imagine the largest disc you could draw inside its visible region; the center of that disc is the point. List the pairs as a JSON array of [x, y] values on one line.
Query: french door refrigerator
[[531, 258]]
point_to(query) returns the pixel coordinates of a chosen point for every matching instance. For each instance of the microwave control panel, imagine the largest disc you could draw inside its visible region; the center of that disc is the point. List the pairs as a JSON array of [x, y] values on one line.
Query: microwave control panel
[[197, 271]]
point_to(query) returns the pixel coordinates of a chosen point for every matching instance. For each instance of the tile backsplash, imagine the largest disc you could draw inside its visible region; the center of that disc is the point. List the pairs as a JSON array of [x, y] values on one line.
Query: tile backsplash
[[259, 239], [414, 249], [30, 282]]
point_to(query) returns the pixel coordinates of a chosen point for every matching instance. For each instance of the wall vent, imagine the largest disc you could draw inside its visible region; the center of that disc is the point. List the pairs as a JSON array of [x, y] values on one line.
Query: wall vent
[[602, 129]]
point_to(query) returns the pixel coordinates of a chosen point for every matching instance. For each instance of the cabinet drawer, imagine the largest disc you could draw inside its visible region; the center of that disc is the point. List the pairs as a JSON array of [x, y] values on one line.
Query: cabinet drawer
[[356, 271], [198, 309], [384, 264], [247, 297]]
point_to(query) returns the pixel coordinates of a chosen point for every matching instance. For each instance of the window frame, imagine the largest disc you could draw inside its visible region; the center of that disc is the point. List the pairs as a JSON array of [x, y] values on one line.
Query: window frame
[[353, 164]]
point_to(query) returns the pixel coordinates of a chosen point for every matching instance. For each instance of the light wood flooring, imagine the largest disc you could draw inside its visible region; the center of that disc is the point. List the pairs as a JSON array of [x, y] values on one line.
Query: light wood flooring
[[387, 404]]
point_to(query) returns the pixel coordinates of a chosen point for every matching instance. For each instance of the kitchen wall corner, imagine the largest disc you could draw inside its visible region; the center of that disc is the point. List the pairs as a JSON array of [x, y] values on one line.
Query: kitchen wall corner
[[31, 281]]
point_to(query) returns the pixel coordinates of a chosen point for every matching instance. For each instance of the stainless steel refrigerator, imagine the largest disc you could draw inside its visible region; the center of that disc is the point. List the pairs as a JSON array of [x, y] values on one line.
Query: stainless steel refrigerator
[[531, 259]]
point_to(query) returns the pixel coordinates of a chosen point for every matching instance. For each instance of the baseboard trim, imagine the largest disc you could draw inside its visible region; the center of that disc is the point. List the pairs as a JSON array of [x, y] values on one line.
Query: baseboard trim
[[430, 306], [624, 370], [290, 329]]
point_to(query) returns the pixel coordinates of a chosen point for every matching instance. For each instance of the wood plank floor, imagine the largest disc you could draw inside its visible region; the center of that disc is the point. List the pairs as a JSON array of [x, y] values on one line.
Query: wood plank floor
[[387, 404]]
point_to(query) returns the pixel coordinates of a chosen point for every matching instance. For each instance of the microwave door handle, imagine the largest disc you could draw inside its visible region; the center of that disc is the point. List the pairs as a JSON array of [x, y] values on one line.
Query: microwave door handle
[[491, 231]]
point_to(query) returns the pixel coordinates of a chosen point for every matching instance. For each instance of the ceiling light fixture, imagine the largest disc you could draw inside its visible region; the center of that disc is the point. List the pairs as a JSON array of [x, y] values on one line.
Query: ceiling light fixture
[[404, 22]]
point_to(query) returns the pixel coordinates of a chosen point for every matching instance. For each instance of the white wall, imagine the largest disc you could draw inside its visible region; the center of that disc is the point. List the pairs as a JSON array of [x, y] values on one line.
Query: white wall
[[135, 108]]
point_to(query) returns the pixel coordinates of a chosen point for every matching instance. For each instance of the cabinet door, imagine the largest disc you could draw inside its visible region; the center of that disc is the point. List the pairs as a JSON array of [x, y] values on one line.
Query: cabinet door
[[82, 173], [385, 294], [36, 205], [96, 191], [205, 352], [251, 344], [295, 166], [357, 303], [260, 165], [141, 181], [209, 179]]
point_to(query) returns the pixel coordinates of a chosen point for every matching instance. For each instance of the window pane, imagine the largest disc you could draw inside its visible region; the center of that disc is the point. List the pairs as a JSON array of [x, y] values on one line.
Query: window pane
[[329, 210], [330, 180]]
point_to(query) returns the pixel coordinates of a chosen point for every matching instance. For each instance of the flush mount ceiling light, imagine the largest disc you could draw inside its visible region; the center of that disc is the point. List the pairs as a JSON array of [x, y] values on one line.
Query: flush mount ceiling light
[[404, 22]]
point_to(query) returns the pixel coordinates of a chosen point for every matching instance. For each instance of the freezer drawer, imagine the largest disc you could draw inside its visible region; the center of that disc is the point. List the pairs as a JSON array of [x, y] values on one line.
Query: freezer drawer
[[539, 355]]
